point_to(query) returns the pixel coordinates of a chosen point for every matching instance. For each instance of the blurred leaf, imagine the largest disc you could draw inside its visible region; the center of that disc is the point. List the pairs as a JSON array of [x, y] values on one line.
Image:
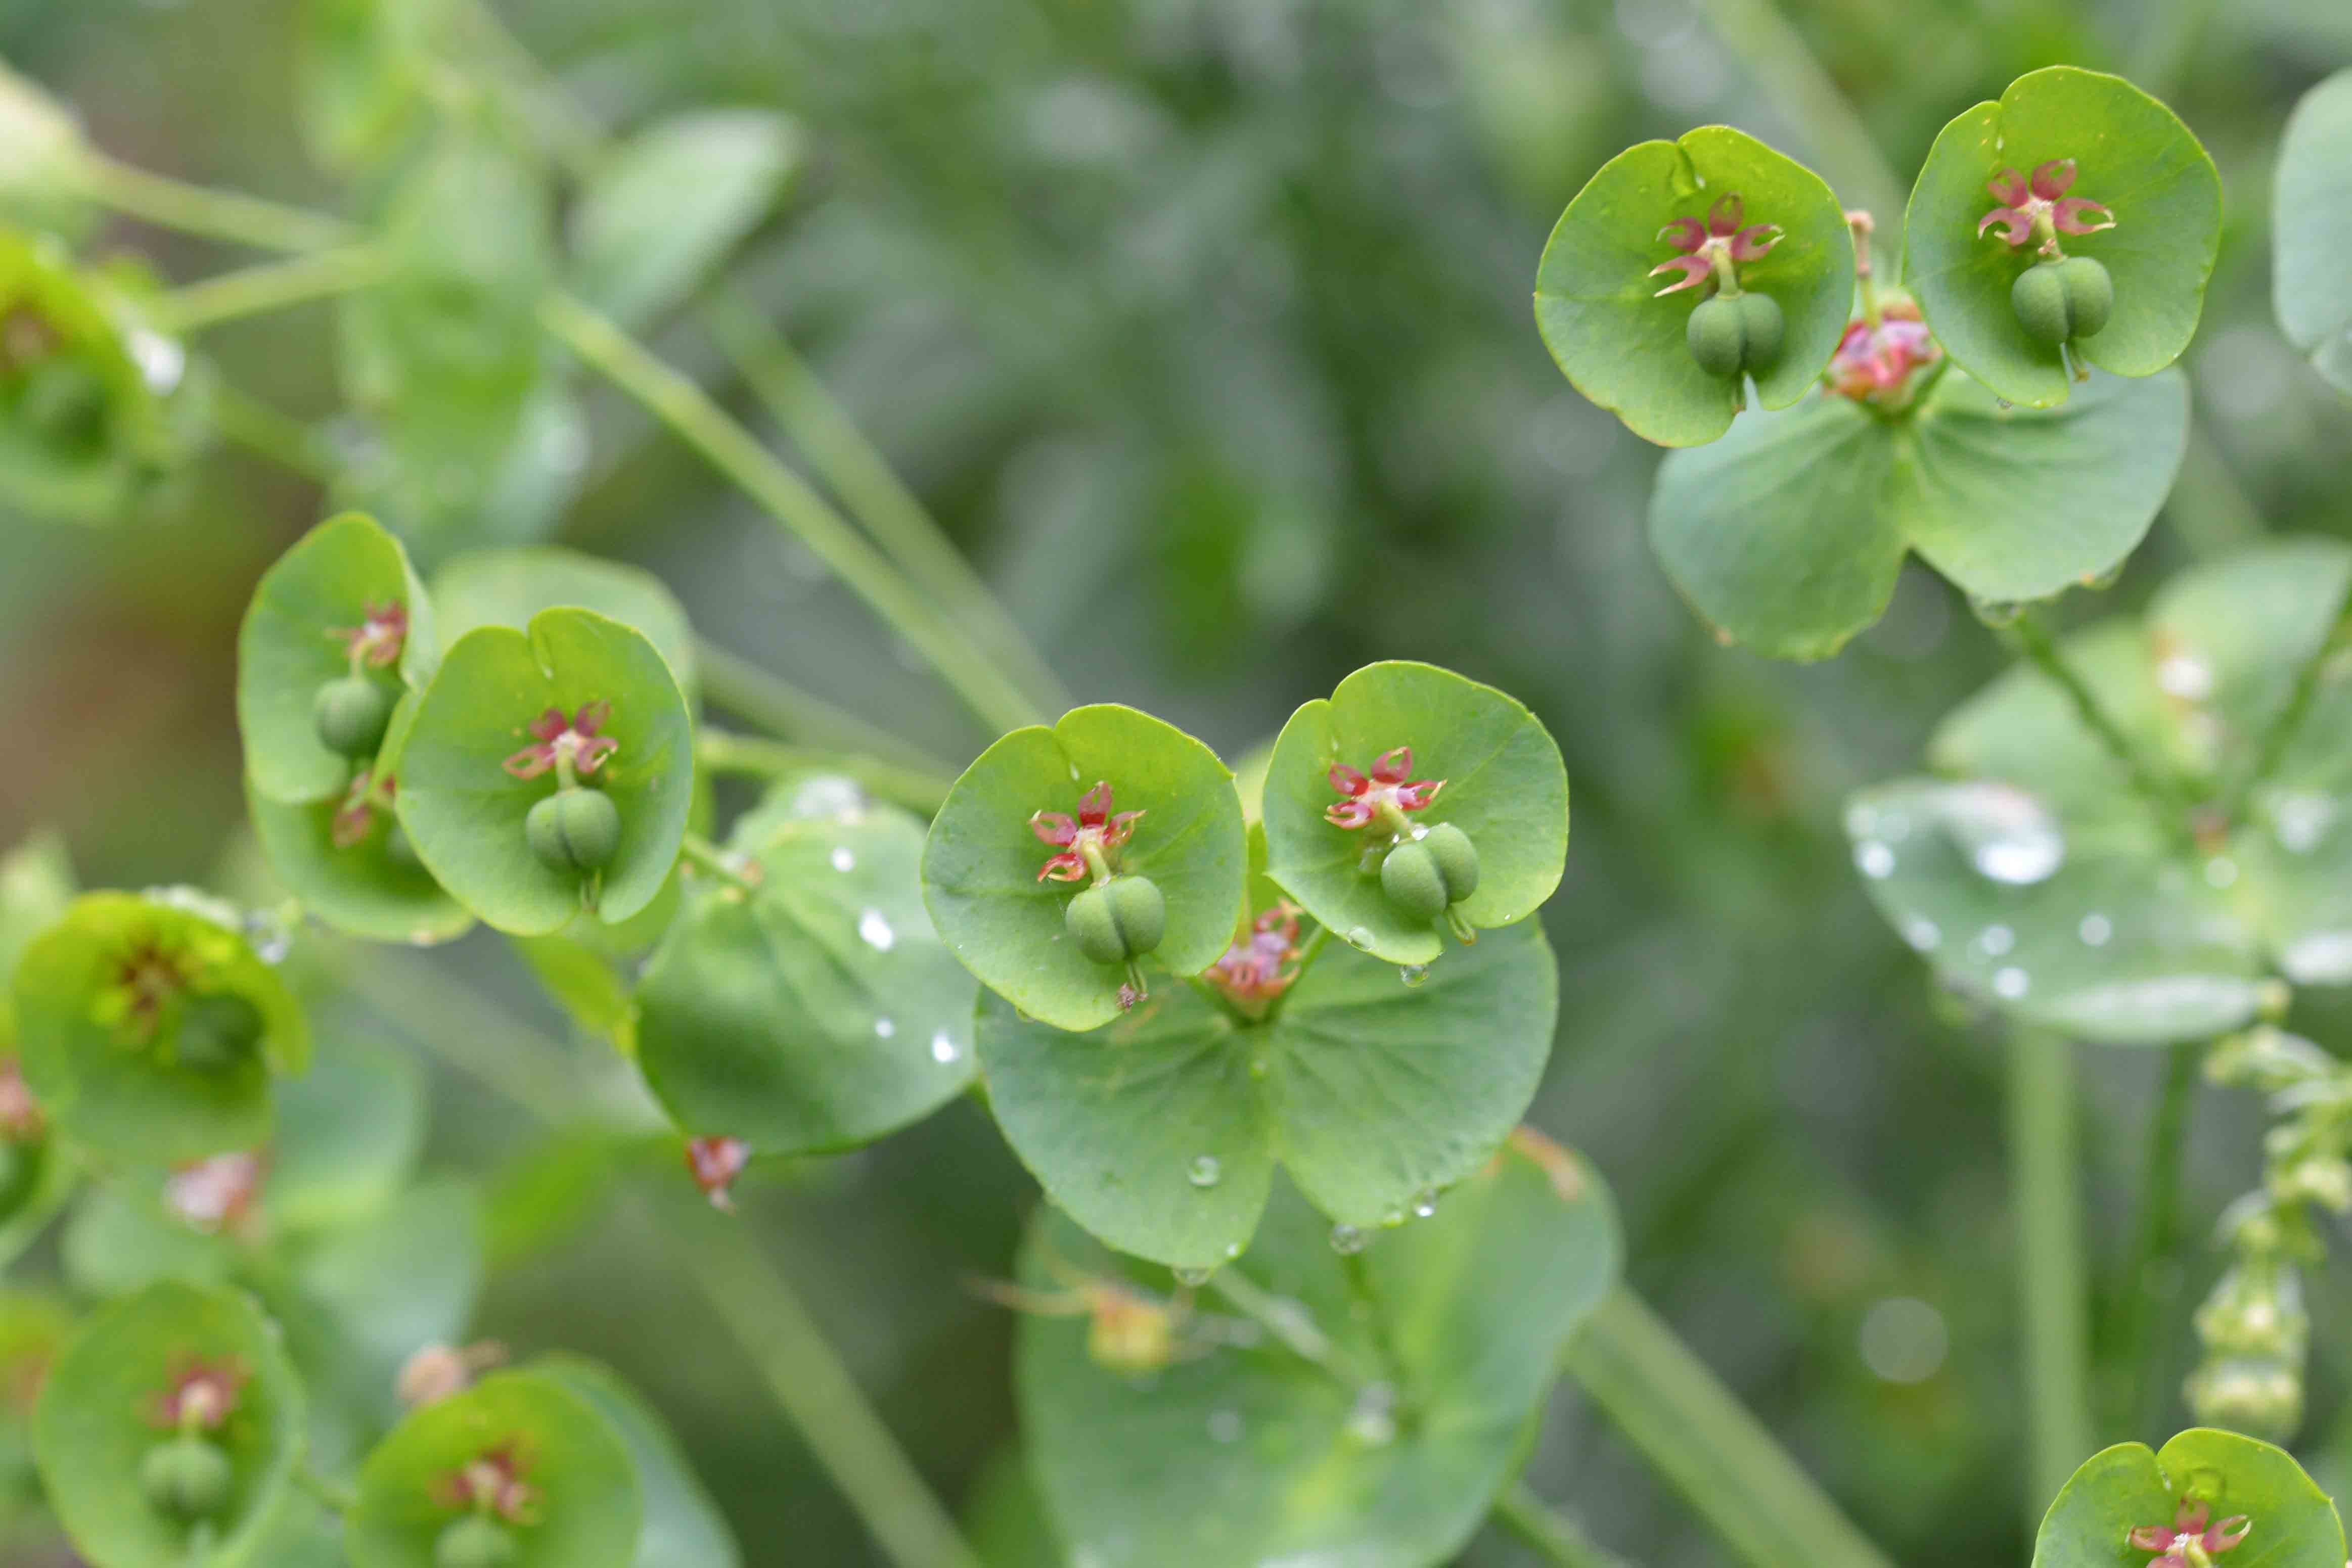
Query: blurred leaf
[[80, 429], [683, 1528], [361, 76], [1246, 1452], [349, 1133], [507, 586], [2312, 229], [670, 203]]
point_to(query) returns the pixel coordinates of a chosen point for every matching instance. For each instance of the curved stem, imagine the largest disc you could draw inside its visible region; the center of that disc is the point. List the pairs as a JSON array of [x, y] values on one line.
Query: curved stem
[[723, 752], [1290, 1324], [862, 477], [272, 286], [1697, 1433], [267, 432], [1785, 68], [764, 698], [791, 504], [2032, 639], [1549, 1533], [191, 209], [2053, 1290], [711, 861]]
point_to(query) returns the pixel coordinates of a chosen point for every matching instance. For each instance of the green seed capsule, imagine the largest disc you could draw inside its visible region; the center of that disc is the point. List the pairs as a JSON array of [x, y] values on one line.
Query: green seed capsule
[[217, 1032], [1457, 860], [1113, 920], [475, 1542], [2057, 300], [1424, 876], [186, 1478], [350, 713], [1731, 333], [574, 830]]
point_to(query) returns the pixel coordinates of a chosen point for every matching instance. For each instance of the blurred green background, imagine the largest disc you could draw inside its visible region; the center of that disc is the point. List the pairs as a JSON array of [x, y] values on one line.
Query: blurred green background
[[1203, 326]]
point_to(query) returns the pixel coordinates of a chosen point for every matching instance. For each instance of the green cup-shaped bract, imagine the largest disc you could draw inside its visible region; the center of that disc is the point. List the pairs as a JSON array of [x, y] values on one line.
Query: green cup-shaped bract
[[81, 429], [475, 1542], [574, 830], [218, 1032], [352, 712], [2059, 300], [185, 1476], [1113, 920]]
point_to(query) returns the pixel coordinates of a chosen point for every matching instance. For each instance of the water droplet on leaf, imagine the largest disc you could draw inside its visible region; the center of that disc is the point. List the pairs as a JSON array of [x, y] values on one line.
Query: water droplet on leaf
[[1414, 974], [876, 930], [1204, 1171]]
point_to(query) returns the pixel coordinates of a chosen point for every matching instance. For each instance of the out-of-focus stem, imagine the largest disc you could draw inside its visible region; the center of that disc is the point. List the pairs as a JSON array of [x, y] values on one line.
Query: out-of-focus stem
[[2053, 1290]]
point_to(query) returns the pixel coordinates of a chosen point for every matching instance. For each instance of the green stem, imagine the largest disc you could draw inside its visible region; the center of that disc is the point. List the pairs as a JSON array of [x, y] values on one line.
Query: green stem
[[768, 700], [1290, 1324], [2152, 1279], [336, 1496], [789, 500], [198, 210], [1549, 1533], [815, 1390], [2032, 639], [809, 1383], [1698, 1435], [1368, 1306], [2270, 750], [723, 752], [862, 477], [272, 286], [711, 861], [2052, 1287], [1784, 67], [263, 430]]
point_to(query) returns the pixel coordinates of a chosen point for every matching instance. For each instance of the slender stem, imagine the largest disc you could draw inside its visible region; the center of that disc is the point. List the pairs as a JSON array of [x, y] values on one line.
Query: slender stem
[[339, 1496], [1367, 1300], [2033, 640], [2052, 1288], [862, 477], [2152, 1280], [1697, 1433], [2270, 750], [806, 1378], [568, 129], [711, 861], [723, 752], [787, 498], [228, 216], [1291, 1323], [272, 286], [768, 700], [263, 430], [1549, 1533], [1784, 67]]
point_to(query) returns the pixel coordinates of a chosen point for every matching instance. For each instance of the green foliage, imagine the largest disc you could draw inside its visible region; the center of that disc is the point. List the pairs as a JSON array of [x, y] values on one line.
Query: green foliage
[[111, 1002], [80, 431], [2131, 155], [1160, 1134], [507, 586], [102, 1414], [2118, 1490], [1788, 533], [683, 1528], [2038, 877], [817, 1009], [1438, 1346], [464, 812], [374, 887], [669, 203], [579, 1508], [981, 861], [1625, 346], [2311, 223], [361, 75], [1504, 785]]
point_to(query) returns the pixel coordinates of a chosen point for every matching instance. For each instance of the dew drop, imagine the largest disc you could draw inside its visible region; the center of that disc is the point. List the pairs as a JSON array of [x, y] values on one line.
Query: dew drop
[[2183, 674], [1425, 1204], [1414, 974], [1419, 832], [944, 1049], [1369, 862], [2220, 872], [1346, 1239], [1922, 933], [1372, 1419], [1204, 1171], [1393, 1218], [877, 931], [885, 1028], [2095, 930], [1225, 1426], [1995, 940], [1191, 1278], [2300, 821], [2010, 983], [1232, 1248], [2008, 835], [1359, 935], [1874, 860], [842, 858]]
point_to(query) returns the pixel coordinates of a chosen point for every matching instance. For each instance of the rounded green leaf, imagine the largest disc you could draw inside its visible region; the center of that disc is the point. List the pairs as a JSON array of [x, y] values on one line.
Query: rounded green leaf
[[507, 586], [683, 1526], [80, 429], [375, 887], [2311, 229], [99, 1418], [1788, 534], [669, 203], [980, 862], [1160, 1134], [1503, 784], [1624, 345], [1389, 1457], [2290, 1523], [294, 640], [464, 812], [819, 1009], [2132, 156], [583, 1484], [109, 997]]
